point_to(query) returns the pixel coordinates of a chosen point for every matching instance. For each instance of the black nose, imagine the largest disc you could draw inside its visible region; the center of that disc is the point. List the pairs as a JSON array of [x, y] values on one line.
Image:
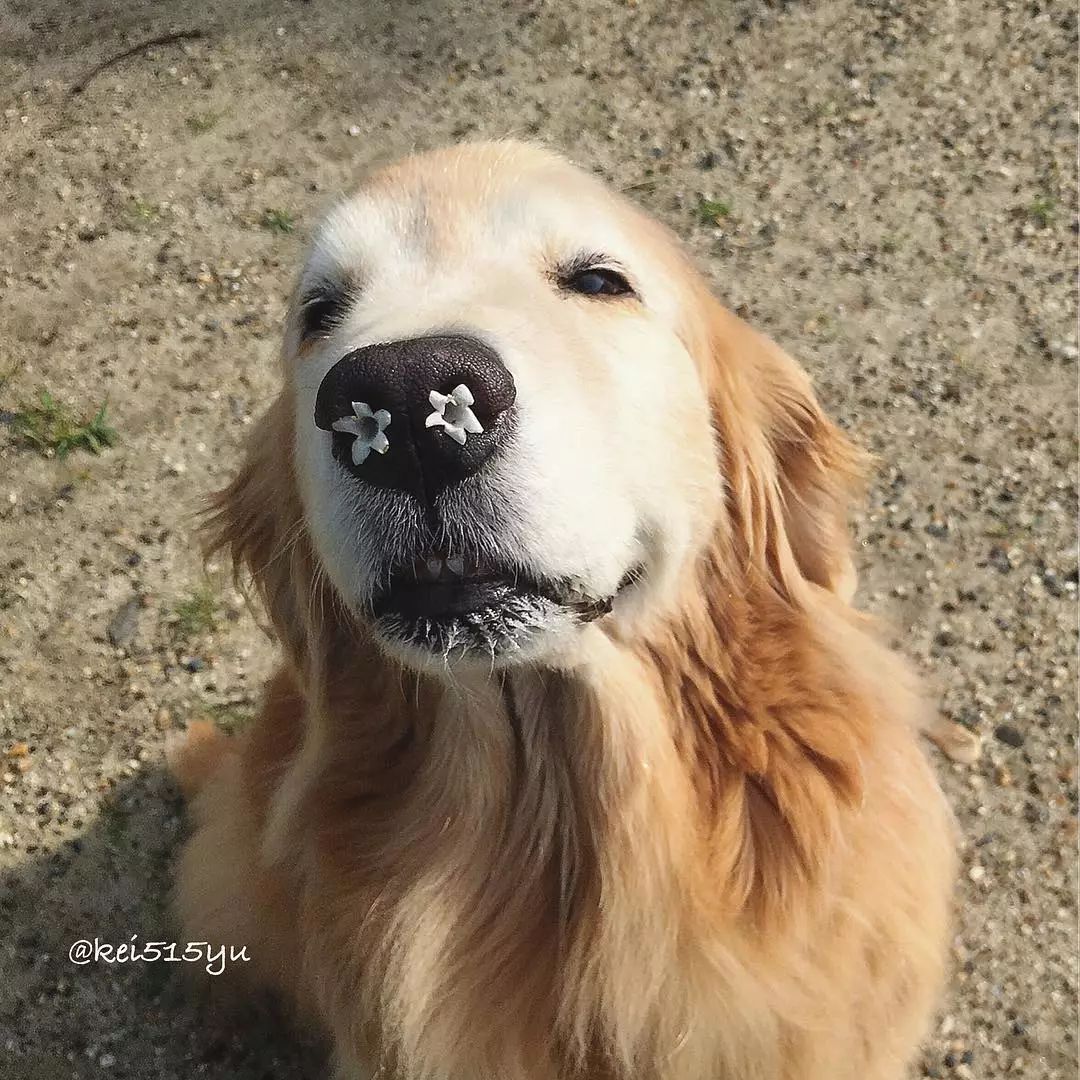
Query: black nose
[[417, 415]]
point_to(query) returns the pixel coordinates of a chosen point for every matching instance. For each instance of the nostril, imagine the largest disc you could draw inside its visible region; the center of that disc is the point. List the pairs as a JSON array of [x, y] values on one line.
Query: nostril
[[366, 428], [453, 414], [459, 415]]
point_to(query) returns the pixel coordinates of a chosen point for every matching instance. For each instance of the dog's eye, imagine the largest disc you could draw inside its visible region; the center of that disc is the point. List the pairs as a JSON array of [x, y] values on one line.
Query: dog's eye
[[597, 281], [323, 309]]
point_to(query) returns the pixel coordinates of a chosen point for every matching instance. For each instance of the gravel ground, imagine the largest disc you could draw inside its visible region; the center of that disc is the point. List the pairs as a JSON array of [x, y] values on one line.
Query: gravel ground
[[886, 188]]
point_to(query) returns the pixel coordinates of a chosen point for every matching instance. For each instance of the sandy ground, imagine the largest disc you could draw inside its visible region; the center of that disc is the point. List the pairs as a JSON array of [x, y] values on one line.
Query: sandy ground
[[900, 189]]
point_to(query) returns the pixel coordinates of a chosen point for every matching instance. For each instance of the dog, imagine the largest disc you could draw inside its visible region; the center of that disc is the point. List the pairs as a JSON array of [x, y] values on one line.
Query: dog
[[579, 764]]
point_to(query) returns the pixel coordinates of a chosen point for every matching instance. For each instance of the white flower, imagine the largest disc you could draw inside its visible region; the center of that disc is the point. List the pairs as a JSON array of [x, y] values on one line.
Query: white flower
[[453, 413], [368, 427]]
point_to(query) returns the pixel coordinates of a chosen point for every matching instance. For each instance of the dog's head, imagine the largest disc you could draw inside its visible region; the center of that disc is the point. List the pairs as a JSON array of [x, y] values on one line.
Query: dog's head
[[512, 408]]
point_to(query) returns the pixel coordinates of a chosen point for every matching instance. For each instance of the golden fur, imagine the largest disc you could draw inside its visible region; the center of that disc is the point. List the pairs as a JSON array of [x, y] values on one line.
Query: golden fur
[[709, 848]]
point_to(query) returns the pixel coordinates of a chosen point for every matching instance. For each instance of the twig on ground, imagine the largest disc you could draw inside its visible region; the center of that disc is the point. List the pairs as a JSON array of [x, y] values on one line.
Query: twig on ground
[[142, 46]]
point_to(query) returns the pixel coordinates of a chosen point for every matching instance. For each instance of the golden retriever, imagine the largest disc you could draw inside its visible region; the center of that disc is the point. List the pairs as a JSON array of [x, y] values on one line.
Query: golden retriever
[[579, 765]]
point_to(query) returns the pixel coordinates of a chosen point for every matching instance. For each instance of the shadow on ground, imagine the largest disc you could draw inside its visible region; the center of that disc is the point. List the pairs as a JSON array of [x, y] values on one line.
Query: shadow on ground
[[110, 883]]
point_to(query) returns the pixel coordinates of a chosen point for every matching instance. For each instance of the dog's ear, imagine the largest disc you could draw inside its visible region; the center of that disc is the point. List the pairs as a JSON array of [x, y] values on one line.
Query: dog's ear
[[791, 474], [257, 520]]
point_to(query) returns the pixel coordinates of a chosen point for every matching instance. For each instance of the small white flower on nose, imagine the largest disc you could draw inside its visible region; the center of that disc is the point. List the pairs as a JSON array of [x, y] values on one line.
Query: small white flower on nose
[[453, 413], [368, 427]]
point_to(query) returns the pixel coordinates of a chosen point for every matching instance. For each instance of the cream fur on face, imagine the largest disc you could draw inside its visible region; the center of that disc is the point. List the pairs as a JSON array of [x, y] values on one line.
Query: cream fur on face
[[611, 471]]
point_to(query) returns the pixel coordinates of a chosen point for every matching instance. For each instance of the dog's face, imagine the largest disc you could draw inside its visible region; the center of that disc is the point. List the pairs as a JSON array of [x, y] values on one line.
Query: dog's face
[[511, 409], [500, 431]]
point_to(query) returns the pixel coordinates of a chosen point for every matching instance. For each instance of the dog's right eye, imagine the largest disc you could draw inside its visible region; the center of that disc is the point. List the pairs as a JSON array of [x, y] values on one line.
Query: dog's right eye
[[323, 309]]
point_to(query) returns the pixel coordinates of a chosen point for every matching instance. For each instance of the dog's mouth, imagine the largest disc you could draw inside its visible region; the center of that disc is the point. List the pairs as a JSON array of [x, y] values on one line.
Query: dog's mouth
[[454, 603]]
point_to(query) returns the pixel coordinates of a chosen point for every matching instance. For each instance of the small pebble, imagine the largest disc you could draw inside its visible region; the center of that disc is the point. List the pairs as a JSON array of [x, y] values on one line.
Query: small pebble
[[125, 623], [1010, 736]]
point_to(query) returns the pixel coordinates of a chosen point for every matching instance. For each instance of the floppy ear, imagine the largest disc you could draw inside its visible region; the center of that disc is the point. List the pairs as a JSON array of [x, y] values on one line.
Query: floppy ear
[[791, 473], [258, 520]]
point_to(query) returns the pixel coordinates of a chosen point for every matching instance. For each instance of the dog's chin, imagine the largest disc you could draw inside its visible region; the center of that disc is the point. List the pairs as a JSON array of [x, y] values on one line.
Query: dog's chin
[[438, 613], [500, 635]]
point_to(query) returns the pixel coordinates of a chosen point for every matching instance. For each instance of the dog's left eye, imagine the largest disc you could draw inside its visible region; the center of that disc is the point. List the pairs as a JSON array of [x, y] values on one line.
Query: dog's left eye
[[597, 281]]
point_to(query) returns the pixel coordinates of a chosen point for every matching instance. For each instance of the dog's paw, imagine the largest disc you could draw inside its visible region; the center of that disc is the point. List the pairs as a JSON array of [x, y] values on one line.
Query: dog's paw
[[193, 755]]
